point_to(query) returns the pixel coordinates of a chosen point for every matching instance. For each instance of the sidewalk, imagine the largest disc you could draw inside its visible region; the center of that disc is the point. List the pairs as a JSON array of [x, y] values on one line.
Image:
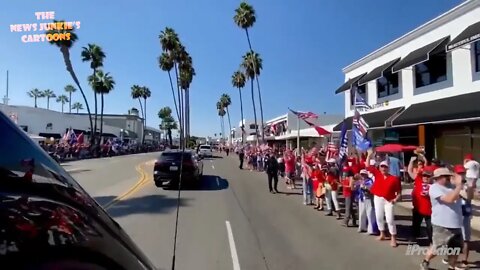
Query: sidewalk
[[407, 203]]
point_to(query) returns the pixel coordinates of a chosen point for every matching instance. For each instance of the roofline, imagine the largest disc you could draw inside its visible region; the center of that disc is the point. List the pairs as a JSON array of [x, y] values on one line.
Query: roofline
[[415, 33], [277, 118]]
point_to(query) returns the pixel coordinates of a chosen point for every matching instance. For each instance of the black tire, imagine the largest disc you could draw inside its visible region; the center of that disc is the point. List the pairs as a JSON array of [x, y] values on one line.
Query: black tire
[[158, 184]]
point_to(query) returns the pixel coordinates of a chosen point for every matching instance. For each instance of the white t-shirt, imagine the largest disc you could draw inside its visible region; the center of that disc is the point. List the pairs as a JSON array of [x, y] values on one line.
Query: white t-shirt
[[472, 168]]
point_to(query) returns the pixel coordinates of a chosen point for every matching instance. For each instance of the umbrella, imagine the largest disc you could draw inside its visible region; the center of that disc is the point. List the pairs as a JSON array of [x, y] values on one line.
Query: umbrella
[[394, 147]]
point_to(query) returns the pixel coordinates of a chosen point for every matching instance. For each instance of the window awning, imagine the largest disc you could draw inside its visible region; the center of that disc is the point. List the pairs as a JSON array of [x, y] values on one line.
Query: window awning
[[346, 86], [377, 72], [469, 35], [50, 135], [374, 120], [421, 55], [461, 108]]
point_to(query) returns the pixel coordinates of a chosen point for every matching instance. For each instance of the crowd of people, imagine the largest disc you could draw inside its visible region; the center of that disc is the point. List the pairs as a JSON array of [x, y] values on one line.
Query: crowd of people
[[371, 185]]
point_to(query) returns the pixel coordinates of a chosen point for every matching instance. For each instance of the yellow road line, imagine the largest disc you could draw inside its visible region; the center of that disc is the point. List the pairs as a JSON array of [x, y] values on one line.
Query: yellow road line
[[140, 183]]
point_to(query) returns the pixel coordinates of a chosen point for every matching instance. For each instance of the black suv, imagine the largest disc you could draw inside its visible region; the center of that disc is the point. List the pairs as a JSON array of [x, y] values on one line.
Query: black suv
[[166, 171], [47, 220]]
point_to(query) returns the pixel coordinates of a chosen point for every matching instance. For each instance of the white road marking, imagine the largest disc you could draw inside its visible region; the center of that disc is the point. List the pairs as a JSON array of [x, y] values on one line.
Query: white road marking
[[218, 182], [213, 167], [211, 161], [233, 249]]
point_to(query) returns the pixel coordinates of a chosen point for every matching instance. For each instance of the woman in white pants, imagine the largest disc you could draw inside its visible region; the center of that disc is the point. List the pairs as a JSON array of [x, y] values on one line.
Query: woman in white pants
[[366, 213], [387, 190], [332, 193]]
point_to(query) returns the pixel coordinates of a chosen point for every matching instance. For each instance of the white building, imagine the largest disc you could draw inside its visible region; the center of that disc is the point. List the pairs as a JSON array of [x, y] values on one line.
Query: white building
[[49, 123], [424, 87]]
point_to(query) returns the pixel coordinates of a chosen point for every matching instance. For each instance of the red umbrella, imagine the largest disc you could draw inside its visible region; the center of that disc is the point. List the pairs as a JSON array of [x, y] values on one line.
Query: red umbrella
[[395, 147]]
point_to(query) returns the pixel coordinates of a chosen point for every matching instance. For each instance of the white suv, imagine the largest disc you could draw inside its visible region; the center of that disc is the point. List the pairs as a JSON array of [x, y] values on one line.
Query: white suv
[[205, 150]]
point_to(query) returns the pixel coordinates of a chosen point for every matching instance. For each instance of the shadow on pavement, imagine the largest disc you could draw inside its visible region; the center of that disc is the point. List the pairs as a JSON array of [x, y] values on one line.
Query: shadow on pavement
[[103, 200], [210, 183], [212, 157], [150, 204]]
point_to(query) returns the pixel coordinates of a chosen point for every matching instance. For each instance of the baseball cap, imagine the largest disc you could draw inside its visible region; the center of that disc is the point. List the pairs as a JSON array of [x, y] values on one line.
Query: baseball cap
[[468, 156], [442, 172], [428, 171], [384, 163], [363, 171], [346, 169], [459, 169]]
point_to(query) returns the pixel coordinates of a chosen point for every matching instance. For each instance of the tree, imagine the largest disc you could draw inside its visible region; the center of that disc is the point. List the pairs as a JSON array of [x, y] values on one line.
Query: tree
[[48, 94], [103, 84], [245, 18], [95, 55], [77, 106], [62, 99], [137, 93], [165, 62], [226, 102], [145, 94], [221, 113], [168, 123], [65, 45], [238, 81], [70, 89], [247, 65], [35, 94]]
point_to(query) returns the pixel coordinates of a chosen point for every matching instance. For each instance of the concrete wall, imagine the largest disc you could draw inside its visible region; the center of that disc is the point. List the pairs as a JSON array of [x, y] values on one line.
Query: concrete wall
[[461, 77]]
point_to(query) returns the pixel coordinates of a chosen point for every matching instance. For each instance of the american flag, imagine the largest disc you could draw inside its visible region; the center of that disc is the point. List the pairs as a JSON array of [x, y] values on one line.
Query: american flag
[[359, 130], [360, 102], [332, 151], [343, 151], [304, 115], [360, 123]]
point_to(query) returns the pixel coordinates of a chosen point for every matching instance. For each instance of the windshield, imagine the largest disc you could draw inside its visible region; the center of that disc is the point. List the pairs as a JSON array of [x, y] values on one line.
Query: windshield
[[205, 147]]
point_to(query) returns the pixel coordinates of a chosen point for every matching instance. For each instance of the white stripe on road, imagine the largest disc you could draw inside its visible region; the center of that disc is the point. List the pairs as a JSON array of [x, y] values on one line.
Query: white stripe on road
[[213, 167], [211, 161], [233, 249]]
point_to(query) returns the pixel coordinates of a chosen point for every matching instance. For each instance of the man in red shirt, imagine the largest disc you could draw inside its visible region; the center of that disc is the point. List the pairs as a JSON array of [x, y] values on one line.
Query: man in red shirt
[[387, 190], [347, 184]]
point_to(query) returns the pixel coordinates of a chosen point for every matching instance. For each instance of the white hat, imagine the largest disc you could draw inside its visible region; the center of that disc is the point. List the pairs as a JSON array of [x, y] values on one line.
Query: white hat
[[372, 162], [363, 171], [331, 160], [384, 163]]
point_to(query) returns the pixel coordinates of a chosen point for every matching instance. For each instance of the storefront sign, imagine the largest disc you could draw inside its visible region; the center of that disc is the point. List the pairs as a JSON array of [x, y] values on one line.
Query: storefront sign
[[62, 28], [374, 106]]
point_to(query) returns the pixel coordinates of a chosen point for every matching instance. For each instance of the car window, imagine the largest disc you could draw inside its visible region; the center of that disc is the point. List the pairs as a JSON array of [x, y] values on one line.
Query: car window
[[22, 158], [206, 147], [168, 156]]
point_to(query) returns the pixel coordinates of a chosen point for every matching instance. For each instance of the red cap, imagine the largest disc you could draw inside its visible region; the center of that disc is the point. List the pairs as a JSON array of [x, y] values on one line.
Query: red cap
[[346, 169], [468, 156], [459, 169]]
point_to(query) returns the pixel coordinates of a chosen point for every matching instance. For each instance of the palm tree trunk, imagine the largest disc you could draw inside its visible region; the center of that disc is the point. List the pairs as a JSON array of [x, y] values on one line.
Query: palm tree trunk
[[96, 105], [68, 65], [144, 119], [102, 103], [182, 114], [77, 110], [173, 95], [169, 133], [63, 104], [180, 105], [187, 115], [241, 114], [35, 98], [258, 87], [70, 102], [261, 108], [141, 110], [230, 126], [254, 110], [48, 103]]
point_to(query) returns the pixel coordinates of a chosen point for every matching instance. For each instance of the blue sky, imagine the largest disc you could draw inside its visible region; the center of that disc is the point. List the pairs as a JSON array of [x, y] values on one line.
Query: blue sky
[[303, 46]]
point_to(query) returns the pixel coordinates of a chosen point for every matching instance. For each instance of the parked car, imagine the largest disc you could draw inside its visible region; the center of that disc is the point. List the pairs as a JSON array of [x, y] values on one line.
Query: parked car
[[166, 172], [48, 221], [205, 151]]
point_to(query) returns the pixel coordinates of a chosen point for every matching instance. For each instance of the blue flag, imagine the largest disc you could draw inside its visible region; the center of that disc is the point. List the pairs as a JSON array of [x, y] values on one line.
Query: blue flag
[[343, 149]]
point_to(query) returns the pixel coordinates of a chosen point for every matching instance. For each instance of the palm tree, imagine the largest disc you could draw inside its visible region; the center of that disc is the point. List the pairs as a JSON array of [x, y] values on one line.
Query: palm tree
[[70, 89], [95, 55], [62, 99], [221, 113], [245, 18], [165, 62], [48, 94], [226, 102], [137, 93], [238, 81], [104, 83], [247, 65], [77, 106], [65, 45], [35, 94], [168, 123], [145, 94]]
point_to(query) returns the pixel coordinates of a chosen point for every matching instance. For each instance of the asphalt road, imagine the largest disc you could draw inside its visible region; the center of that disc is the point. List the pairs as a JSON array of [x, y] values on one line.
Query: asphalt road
[[233, 222]]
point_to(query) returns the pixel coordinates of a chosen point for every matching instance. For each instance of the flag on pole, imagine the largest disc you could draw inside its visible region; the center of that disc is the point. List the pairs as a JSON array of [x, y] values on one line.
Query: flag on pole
[[360, 102], [321, 131], [304, 115], [332, 151], [343, 149], [80, 138], [359, 132], [72, 137]]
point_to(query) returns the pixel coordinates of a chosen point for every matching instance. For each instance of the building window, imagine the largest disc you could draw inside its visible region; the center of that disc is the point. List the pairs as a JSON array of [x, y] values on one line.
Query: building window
[[361, 91], [387, 85], [432, 71], [476, 53]]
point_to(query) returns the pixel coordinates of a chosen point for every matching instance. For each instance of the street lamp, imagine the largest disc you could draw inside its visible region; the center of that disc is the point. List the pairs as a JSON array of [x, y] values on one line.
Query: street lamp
[[121, 134]]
